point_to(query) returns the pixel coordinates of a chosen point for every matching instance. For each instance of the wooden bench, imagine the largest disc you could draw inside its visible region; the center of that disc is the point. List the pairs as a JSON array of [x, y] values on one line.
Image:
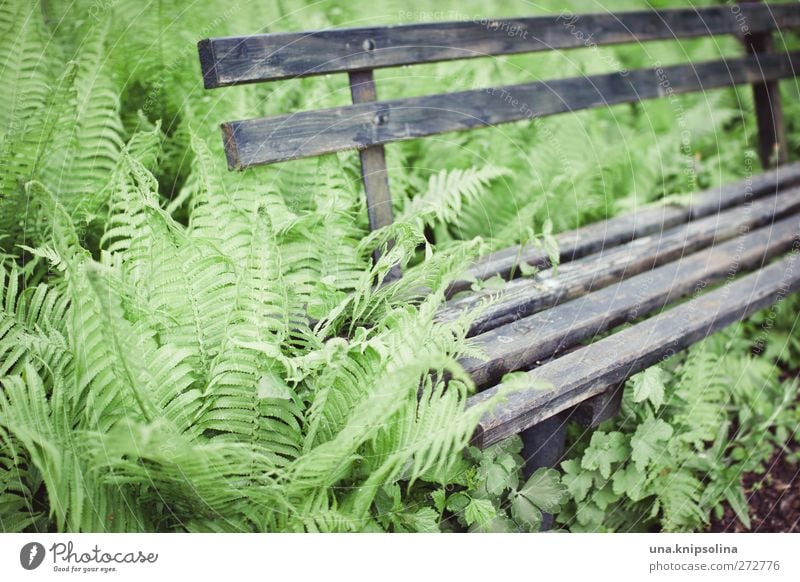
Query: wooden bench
[[631, 268]]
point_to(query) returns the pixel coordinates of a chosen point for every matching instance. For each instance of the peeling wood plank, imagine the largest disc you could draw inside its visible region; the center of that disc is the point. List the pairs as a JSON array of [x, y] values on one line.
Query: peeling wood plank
[[312, 133], [268, 57], [525, 296], [529, 341], [623, 228], [593, 369]]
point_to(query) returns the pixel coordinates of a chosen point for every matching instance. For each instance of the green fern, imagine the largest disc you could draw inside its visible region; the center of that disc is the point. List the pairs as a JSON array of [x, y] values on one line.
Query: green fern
[[184, 348]]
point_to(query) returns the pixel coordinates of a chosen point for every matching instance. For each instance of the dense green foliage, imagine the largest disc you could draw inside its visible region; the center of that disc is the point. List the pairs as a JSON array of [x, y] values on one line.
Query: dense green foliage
[[687, 433], [184, 348]]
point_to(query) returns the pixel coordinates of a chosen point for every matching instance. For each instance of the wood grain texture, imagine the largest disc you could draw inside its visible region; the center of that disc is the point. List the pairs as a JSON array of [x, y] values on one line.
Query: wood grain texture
[[269, 57], [591, 370], [529, 341], [312, 133], [374, 174], [373, 159], [623, 228], [525, 296], [773, 148]]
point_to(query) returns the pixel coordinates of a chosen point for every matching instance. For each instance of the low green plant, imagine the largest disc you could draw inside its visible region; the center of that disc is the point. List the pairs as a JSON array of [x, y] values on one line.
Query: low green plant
[[688, 431], [482, 492]]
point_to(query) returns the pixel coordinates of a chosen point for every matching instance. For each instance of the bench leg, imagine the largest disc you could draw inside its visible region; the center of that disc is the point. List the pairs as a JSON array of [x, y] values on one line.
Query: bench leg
[[542, 446], [600, 408]]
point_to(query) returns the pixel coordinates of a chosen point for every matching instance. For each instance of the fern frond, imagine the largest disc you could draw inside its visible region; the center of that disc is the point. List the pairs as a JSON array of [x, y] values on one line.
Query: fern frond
[[76, 501], [701, 390], [128, 228], [87, 141], [121, 372], [18, 484], [320, 273], [32, 327], [448, 191], [201, 482], [27, 68], [247, 394], [38, 100], [679, 494]]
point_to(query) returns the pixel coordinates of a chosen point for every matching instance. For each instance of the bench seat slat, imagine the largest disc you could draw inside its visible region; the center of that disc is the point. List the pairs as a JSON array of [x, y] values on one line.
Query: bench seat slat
[[311, 133], [527, 341], [269, 57], [588, 371], [522, 297], [622, 228]]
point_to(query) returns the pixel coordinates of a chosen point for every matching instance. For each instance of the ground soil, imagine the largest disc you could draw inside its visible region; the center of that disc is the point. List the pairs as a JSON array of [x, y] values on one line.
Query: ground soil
[[773, 497]]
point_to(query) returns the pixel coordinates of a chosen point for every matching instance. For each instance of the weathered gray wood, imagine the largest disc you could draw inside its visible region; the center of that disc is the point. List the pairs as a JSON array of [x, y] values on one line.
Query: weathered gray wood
[[529, 341], [524, 296], [265, 57], [597, 409], [543, 446], [643, 240], [374, 175], [772, 146], [373, 159], [312, 133], [620, 229], [575, 377]]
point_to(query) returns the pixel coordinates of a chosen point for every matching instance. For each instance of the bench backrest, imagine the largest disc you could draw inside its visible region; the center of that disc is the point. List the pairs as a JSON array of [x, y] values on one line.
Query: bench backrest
[[368, 123]]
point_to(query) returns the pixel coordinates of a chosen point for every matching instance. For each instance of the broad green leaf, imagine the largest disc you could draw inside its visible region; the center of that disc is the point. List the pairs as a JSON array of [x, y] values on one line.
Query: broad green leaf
[[605, 449], [604, 497], [629, 481], [589, 514], [649, 385], [647, 442], [544, 489], [439, 499], [497, 479], [479, 512], [577, 479], [457, 502], [525, 512], [425, 520]]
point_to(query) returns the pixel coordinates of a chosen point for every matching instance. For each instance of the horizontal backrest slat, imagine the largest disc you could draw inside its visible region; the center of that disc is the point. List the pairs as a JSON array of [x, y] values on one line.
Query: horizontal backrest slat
[[268, 57], [311, 133]]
